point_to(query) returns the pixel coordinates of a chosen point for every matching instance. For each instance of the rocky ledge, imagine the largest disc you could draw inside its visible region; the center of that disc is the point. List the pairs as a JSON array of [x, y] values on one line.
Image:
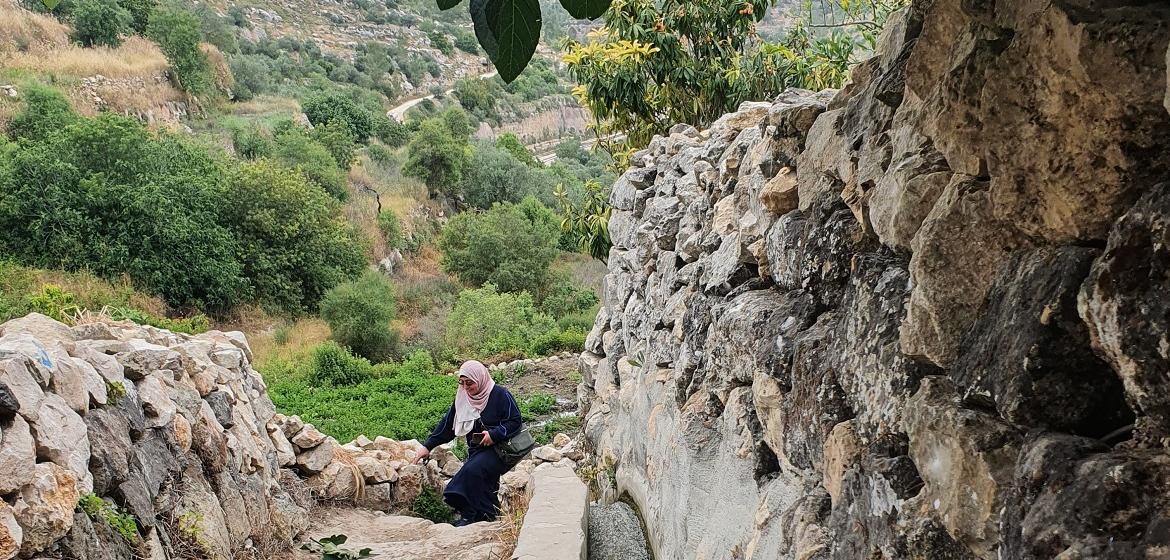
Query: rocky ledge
[[922, 317]]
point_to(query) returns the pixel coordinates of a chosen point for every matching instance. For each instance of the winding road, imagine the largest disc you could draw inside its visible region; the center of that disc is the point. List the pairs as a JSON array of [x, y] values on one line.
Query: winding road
[[399, 113]]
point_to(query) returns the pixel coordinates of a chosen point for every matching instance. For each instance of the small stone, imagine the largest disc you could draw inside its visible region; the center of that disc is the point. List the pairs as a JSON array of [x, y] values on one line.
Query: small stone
[[19, 380], [140, 363], [62, 437], [560, 440], [316, 459], [452, 467], [372, 469], [183, 433], [308, 438], [547, 453], [362, 441], [159, 407]]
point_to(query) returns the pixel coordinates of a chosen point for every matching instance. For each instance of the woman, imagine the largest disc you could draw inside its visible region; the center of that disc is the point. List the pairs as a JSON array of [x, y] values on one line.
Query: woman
[[486, 414]]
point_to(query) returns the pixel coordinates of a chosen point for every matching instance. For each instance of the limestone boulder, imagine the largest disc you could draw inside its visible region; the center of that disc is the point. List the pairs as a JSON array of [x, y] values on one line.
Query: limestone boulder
[[62, 438], [44, 508], [957, 254], [18, 455], [140, 363], [313, 461], [308, 438], [43, 328], [1028, 352], [11, 535], [9, 406], [21, 386], [156, 401], [966, 459], [1123, 302]]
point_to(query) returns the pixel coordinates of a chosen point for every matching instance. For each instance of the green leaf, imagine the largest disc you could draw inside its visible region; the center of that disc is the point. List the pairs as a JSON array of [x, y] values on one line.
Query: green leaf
[[448, 4], [586, 9], [508, 31], [51, 4]]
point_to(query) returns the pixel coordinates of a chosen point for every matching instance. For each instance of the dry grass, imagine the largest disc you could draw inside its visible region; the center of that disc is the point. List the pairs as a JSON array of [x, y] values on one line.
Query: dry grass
[[512, 510], [362, 208], [22, 30], [300, 337], [135, 58]]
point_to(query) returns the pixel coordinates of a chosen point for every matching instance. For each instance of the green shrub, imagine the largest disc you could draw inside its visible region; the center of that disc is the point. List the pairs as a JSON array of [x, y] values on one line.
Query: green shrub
[[177, 32], [391, 228], [430, 505], [556, 341], [336, 106], [100, 23], [46, 111], [437, 157], [99, 510], [252, 74], [333, 365], [441, 42], [510, 246], [466, 42], [494, 175], [359, 315], [336, 138], [380, 154], [123, 202], [485, 322], [537, 404], [297, 150], [252, 142], [140, 11], [195, 324], [54, 302], [392, 132], [562, 297], [294, 241]]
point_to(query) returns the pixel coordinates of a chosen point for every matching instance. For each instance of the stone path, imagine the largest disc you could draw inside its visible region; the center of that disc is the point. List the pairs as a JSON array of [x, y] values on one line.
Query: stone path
[[395, 537]]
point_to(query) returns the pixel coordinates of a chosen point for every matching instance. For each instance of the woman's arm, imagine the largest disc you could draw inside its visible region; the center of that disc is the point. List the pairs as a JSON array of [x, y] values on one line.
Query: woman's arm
[[444, 432], [510, 420]]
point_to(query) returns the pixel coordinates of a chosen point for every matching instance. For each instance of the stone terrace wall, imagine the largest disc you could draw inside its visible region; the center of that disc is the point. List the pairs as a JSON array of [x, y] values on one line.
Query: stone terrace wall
[[911, 319], [173, 429]]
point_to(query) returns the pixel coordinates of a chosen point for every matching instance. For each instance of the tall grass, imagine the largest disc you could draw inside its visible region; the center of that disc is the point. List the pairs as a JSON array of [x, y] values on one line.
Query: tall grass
[[135, 58], [22, 30]]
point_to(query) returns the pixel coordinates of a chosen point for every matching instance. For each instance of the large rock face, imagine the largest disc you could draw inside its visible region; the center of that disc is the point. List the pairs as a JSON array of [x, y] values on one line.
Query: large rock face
[[923, 317]]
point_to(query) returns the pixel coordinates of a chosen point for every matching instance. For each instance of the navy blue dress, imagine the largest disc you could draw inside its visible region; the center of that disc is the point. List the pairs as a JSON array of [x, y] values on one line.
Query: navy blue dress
[[473, 490]]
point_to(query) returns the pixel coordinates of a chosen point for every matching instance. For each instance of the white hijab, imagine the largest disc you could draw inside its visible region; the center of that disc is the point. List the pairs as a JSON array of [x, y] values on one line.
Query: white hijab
[[469, 406]]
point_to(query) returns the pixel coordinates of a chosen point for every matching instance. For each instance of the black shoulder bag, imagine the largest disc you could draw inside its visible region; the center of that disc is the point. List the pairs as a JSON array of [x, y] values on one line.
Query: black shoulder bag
[[514, 449]]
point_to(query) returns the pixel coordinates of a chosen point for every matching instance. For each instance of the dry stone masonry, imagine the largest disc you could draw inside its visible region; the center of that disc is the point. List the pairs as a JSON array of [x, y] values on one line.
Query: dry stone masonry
[[923, 317]]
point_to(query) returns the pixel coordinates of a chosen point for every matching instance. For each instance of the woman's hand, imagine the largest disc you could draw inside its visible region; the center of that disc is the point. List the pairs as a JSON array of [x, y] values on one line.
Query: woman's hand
[[487, 439], [422, 454]]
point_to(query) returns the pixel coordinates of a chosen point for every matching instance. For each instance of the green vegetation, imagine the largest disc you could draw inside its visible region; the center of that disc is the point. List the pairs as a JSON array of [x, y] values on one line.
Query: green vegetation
[[537, 404], [359, 315], [510, 246], [656, 64], [177, 32], [401, 400], [181, 220], [99, 22], [430, 505], [99, 510], [391, 228], [330, 548], [337, 107], [437, 155]]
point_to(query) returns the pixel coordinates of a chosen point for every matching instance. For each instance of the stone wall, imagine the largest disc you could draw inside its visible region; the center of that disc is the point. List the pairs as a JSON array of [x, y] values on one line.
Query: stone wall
[[912, 319]]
